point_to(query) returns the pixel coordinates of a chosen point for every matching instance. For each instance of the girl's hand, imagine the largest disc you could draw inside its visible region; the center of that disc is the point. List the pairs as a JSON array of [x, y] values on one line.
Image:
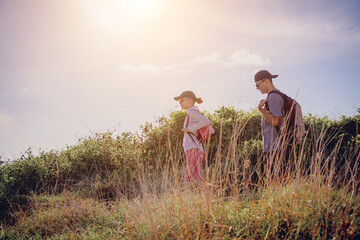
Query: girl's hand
[[185, 130]]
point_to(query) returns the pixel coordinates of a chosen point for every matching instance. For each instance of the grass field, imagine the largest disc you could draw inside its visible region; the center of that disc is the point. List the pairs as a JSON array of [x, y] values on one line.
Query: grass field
[[315, 197]]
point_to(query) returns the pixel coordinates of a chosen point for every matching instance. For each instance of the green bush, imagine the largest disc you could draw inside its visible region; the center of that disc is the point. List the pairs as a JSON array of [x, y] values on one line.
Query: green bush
[[98, 157], [104, 163]]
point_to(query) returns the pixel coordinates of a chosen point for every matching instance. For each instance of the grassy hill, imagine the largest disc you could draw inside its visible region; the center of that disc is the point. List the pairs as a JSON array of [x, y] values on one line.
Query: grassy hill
[[131, 186]]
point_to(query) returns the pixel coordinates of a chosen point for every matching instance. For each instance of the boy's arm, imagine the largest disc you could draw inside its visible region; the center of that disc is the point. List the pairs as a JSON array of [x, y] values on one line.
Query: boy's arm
[[267, 115]]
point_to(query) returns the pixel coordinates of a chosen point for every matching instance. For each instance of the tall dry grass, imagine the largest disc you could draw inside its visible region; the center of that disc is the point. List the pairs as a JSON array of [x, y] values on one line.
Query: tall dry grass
[[309, 192], [313, 195]]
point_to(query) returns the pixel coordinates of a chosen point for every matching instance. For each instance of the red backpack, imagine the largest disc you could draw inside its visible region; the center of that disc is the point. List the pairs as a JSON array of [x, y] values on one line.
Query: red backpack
[[293, 117], [203, 134]]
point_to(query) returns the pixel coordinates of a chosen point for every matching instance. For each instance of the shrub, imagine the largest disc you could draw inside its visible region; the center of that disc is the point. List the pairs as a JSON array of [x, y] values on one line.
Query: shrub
[[106, 166]]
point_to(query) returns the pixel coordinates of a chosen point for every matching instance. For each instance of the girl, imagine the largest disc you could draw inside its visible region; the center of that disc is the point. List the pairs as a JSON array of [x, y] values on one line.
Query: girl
[[193, 149]]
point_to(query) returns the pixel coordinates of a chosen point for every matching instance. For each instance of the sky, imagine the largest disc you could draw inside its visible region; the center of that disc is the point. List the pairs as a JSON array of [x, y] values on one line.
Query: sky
[[70, 68]]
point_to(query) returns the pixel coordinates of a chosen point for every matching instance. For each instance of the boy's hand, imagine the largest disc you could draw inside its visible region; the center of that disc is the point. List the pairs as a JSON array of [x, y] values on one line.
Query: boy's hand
[[261, 105]]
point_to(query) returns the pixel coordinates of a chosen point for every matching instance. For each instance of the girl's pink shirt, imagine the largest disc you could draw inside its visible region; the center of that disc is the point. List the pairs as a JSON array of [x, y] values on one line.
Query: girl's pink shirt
[[196, 121]]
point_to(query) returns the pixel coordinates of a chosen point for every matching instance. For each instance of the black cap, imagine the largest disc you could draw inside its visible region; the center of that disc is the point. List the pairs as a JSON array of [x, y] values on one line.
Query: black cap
[[187, 94], [262, 74]]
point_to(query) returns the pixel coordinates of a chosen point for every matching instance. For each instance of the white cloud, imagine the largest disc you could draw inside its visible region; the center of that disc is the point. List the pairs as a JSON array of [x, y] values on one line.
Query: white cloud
[[239, 58], [149, 68], [144, 68], [212, 58], [246, 58], [243, 58]]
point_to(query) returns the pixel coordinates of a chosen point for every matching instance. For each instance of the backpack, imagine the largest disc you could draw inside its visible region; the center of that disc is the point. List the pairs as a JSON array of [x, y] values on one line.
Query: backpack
[[294, 124], [203, 134]]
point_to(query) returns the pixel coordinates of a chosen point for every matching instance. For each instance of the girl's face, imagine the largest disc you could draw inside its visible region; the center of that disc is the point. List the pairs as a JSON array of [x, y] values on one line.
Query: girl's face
[[186, 103]]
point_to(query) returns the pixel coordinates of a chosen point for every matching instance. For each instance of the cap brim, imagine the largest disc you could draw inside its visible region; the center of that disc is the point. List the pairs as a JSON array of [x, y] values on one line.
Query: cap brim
[[274, 76], [177, 98]]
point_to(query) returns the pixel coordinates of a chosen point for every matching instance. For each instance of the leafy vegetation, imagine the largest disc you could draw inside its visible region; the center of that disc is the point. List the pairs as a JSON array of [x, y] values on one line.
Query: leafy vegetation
[[131, 186]]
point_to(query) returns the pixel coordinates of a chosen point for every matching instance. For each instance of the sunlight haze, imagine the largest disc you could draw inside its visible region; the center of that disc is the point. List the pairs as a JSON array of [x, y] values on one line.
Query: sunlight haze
[[69, 68]]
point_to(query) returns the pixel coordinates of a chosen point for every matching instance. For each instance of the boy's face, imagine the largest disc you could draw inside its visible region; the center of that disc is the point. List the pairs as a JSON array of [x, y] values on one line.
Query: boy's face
[[186, 103], [262, 85]]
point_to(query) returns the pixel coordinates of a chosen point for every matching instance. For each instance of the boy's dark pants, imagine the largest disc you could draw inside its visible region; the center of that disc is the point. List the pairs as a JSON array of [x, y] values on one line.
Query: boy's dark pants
[[276, 164]]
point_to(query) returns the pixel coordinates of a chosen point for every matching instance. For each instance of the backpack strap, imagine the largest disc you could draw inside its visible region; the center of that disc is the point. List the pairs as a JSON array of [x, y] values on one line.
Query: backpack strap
[[274, 91], [278, 92], [191, 134], [267, 105]]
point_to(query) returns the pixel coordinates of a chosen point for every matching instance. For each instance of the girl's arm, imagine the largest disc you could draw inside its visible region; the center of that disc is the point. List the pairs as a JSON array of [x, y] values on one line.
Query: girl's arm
[[201, 120]]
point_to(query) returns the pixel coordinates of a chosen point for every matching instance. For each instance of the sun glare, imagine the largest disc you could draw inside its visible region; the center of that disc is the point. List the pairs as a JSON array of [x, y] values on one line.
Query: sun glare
[[142, 4], [115, 14]]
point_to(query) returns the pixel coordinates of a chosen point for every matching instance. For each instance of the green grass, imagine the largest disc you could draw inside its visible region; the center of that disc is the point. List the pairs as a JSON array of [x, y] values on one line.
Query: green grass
[[126, 188], [278, 212]]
